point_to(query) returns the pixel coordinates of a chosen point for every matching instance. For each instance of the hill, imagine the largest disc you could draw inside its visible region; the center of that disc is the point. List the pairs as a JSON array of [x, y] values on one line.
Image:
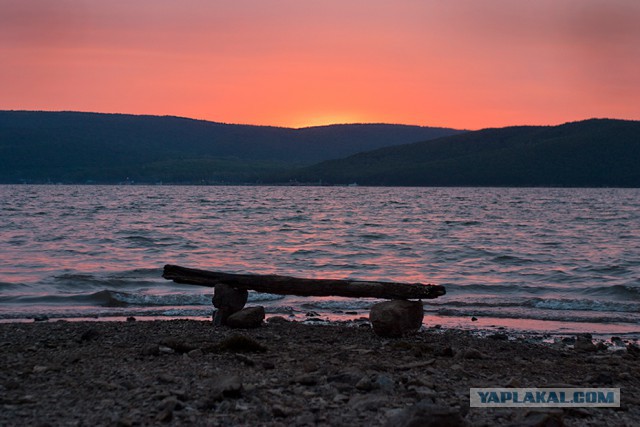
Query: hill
[[75, 147], [596, 152]]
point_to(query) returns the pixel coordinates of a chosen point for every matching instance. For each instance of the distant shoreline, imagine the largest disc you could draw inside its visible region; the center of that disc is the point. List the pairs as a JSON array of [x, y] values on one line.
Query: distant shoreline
[[246, 184], [74, 147]]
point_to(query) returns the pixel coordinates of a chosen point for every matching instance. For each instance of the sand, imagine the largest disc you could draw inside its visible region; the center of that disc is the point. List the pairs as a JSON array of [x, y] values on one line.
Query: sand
[[185, 372]]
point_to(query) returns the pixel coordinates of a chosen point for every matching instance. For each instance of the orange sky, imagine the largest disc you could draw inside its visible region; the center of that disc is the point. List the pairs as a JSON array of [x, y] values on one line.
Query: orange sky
[[456, 63]]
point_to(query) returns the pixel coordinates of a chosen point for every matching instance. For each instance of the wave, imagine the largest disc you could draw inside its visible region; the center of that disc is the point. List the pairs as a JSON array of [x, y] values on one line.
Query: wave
[[620, 291], [8, 285], [583, 304], [560, 316], [559, 304], [374, 236], [120, 279], [125, 299], [113, 298], [110, 298], [497, 289], [106, 313], [258, 296], [465, 223], [346, 304], [512, 260]]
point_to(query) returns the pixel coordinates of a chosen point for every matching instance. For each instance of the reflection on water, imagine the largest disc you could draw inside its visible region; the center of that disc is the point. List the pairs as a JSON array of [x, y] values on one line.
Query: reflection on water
[[562, 255]]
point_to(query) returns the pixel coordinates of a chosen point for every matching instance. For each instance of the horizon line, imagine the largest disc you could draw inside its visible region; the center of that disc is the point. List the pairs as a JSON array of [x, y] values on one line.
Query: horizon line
[[308, 127]]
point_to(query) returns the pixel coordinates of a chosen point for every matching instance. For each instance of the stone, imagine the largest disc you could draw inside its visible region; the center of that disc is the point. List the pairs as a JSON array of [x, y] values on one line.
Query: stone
[[306, 379], [350, 377], [241, 344], [280, 411], [396, 318], [167, 379], [499, 336], [513, 382], [364, 384], [227, 300], [228, 386], [385, 383], [472, 353], [90, 334], [427, 414], [245, 360], [340, 398], [367, 402], [446, 352], [247, 318], [277, 319], [194, 354], [165, 415], [305, 419], [163, 349], [584, 343], [151, 350], [633, 350], [171, 403], [178, 346]]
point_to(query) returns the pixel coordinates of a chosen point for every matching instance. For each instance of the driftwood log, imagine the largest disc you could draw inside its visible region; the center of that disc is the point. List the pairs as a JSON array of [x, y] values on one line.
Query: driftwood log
[[285, 285]]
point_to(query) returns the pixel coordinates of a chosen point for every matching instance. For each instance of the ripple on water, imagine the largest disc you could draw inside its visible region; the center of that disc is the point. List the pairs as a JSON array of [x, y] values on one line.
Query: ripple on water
[[520, 244]]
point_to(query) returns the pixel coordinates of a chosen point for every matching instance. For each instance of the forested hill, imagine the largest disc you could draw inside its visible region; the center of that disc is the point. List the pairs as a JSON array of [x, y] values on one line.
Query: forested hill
[[596, 152], [76, 147]]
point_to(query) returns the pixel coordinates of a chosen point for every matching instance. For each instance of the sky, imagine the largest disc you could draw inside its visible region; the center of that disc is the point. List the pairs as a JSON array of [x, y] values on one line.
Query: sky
[[466, 64]]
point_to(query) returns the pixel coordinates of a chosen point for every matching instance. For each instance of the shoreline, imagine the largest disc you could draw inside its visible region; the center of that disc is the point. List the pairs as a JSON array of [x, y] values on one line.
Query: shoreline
[[479, 327], [185, 372]]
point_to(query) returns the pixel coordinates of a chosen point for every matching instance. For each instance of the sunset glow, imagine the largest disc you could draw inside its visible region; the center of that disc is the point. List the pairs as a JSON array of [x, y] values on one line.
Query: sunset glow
[[461, 63]]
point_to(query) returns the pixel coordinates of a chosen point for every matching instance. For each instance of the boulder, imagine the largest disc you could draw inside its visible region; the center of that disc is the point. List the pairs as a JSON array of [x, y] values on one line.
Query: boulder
[[584, 343], [396, 318], [247, 318], [227, 300]]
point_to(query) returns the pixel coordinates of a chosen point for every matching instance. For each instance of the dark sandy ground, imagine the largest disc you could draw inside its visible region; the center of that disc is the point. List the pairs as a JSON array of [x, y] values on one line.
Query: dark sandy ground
[[185, 372]]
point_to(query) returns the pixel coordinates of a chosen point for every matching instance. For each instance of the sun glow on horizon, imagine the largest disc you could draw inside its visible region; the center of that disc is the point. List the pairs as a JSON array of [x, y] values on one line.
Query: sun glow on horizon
[[326, 120], [300, 64]]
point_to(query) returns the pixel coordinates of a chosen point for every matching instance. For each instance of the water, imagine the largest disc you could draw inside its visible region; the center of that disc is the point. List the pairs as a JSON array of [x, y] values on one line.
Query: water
[[545, 260]]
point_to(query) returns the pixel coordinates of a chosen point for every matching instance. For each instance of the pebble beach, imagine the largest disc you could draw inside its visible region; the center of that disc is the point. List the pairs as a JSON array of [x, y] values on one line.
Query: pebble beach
[[187, 372]]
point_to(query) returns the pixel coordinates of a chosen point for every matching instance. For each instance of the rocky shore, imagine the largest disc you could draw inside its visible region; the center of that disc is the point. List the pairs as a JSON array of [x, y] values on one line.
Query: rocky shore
[[185, 372]]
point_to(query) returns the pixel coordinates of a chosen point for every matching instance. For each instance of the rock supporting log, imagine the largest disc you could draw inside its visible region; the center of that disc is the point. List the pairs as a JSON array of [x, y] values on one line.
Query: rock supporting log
[[228, 301], [285, 285], [396, 318], [247, 318]]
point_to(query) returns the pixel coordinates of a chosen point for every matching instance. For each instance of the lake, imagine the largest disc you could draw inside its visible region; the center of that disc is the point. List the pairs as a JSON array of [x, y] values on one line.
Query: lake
[[531, 259]]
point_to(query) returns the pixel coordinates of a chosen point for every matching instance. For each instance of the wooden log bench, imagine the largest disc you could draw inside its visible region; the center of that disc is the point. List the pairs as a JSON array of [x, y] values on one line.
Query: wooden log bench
[[231, 293]]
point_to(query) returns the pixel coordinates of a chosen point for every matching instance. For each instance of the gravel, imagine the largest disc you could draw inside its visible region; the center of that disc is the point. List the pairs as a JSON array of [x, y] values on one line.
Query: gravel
[[186, 372]]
